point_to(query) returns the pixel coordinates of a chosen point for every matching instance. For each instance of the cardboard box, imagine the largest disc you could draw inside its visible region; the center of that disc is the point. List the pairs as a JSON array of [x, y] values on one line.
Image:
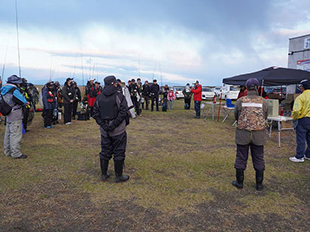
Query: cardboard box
[[273, 96], [288, 124], [289, 97]]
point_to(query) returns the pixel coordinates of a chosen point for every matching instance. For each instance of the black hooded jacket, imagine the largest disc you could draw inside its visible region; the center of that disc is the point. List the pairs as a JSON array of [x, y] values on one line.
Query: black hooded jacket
[[117, 125]]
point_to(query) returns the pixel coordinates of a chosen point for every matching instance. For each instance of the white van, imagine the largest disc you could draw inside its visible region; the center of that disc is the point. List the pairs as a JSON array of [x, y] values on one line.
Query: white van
[[207, 93], [230, 91], [178, 90]]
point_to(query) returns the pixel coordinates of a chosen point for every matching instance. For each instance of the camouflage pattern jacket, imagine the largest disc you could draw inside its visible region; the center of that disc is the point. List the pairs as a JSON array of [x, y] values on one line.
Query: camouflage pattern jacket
[[251, 112]]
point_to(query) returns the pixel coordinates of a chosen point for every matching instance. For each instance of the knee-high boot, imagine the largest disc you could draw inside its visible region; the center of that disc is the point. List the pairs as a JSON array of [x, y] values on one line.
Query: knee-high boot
[[104, 169], [259, 179], [238, 183], [118, 166]]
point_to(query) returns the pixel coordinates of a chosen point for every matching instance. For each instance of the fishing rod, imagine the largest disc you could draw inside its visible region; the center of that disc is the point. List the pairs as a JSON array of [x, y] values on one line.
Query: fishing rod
[[82, 69], [6, 52], [50, 78], [17, 34], [73, 74], [161, 77]]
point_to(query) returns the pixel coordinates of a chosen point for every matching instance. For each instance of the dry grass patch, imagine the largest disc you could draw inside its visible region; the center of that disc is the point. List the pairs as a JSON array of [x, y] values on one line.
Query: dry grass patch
[[181, 170]]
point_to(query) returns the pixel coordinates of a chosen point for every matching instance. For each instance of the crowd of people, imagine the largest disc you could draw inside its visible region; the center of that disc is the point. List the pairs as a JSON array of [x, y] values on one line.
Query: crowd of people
[[110, 107]]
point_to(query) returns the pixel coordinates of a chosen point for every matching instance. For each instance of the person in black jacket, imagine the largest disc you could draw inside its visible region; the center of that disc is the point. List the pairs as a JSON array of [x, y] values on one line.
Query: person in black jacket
[[68, 93], [110, 111], [146, 94], [134, 94], [76, 100], [49, 104], [154, 94]]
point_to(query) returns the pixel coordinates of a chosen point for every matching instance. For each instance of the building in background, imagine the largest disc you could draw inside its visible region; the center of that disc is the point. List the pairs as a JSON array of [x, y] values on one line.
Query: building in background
[[298, 56], [299, 52]]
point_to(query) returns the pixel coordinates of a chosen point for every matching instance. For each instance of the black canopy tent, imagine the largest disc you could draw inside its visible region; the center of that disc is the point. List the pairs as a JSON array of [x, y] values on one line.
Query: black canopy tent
[[272, 76]]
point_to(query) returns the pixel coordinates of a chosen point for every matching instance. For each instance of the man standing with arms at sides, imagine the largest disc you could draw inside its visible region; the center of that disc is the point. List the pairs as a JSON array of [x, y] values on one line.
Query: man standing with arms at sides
[[110, 111], [301, 117], [197, 91], [134, 92], [68, 93], [146, 94], [154, 94], [251, 112]]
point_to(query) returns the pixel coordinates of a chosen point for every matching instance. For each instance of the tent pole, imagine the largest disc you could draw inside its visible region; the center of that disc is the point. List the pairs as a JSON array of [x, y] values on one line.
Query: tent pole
[[262, 88], [218, 114]]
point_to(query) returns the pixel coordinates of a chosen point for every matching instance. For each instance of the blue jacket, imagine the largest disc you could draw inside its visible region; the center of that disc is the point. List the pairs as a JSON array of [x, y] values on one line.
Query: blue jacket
[[18, 97], [15, 100], [49, 102]]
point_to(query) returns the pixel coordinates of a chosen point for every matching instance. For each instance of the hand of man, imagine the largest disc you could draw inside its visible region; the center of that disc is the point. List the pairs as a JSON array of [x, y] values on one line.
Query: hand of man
[[111, 127], [105, 126]]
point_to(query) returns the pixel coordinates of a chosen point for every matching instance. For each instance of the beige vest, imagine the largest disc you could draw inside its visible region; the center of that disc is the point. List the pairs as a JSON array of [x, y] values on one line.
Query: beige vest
[[251, 117]]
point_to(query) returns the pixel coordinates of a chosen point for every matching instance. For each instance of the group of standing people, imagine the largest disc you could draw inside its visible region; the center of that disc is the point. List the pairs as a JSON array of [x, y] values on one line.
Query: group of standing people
[[54, 97], [110, 110], [141, 95]]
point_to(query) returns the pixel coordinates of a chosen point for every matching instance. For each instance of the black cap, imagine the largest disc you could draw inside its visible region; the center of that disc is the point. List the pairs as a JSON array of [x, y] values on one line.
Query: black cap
[[14, 79], [50, 84], [305, 84], [109, 80], [154, 80], [69, 79]]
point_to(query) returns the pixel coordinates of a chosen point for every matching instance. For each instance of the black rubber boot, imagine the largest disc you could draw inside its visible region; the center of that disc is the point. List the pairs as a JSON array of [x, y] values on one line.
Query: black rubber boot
[[240, 177], [259, 180], [104, 169], [118, 166]]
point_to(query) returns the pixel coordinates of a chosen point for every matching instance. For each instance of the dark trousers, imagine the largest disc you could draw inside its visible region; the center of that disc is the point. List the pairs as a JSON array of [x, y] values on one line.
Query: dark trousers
[[67, 112], [48, 117], [187, 103], [303, 135], [74, 108], [197, 107], [257, 153], [154, 98], [115, 146], [90, 110], [146, 102], [25, 117]]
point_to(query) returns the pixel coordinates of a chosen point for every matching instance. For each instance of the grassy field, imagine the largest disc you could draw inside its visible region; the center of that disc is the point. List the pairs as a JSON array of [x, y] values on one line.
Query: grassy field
[[181, 170]]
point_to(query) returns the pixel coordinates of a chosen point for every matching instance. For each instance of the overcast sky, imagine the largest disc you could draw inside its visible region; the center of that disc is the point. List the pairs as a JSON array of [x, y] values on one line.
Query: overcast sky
[[176, 41]]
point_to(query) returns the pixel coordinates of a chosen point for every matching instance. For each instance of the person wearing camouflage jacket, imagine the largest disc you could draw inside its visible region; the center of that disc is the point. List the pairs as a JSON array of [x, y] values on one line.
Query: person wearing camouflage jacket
[[250, 112]]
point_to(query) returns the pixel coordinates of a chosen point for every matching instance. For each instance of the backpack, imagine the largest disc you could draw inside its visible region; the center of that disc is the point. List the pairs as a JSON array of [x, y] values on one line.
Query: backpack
[[5, 108]]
